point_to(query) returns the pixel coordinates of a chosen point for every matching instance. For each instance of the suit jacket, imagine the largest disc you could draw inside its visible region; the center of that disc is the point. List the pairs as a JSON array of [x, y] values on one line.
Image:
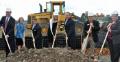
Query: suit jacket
[[115, 30], [51, 31], [37, 31], [95, 30], [10, 25], [70, 28], [52, 27], [20, 28]]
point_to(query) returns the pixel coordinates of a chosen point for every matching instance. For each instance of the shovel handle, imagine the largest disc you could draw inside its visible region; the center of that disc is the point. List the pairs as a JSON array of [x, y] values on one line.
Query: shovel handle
[[6, 39], [85, 42], [33, 40], [104, 41]]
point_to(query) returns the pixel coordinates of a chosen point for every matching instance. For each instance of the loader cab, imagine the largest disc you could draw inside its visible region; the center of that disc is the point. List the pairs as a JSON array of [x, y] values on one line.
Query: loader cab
[[55, 6], [43, 17]]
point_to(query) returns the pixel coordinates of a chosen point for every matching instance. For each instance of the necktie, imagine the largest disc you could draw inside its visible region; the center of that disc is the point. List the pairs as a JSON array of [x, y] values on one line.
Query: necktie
[[6, 23], [110, 33]]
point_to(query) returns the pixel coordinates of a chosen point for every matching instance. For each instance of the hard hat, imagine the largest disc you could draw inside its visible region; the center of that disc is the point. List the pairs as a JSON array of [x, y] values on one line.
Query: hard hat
[[8, 10], [90, 14], [115, 13]]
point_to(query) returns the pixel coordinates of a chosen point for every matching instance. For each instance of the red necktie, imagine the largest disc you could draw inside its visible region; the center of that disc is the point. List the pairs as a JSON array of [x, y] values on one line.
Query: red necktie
[[110, 33]]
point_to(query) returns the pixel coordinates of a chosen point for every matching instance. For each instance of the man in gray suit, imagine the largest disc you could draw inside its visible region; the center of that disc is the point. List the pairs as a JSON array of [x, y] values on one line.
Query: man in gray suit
[[114, 37]]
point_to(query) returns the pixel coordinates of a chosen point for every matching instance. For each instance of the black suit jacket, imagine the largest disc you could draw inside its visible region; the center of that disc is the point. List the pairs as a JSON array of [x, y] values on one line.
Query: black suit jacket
[[37, 32], [54, 26], [10, 25], [95, 30], [50, 35], [115, 30], [70, 28]]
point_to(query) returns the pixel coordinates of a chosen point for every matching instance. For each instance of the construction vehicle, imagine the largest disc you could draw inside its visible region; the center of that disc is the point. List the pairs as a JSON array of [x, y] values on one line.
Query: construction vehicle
[[44, 17]]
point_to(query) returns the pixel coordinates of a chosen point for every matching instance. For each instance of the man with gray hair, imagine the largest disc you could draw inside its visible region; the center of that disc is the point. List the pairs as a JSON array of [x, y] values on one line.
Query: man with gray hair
[[114, 37], [8, 23]]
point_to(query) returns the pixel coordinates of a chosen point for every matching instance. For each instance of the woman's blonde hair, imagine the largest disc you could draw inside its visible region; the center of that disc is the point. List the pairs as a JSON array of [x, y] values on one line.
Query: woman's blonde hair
[[20, 19]]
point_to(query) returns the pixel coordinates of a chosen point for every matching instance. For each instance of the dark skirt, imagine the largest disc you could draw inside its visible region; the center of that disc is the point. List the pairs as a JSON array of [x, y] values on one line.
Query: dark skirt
[[19, 41]]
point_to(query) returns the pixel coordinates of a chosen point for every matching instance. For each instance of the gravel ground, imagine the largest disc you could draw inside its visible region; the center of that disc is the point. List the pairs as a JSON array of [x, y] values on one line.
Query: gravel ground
[[2, 56], [48, 55]]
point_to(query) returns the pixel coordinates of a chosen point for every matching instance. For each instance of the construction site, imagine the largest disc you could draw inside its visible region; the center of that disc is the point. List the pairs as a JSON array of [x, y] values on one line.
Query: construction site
[[58, 50]]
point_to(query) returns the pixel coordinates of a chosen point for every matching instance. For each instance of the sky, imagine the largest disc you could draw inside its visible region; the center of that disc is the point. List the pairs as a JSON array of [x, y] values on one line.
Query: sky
[[24, 7]]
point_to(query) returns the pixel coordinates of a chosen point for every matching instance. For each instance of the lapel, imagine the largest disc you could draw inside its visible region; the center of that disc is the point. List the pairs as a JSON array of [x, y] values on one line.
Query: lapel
[[35, 27], [67, 22]]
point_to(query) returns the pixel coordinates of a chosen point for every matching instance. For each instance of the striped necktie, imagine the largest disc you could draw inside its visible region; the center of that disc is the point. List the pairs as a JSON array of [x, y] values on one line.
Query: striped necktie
[[6, 23]]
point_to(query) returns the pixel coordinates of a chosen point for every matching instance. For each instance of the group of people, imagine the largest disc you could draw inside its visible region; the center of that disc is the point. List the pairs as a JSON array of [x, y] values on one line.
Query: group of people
[[15, 31], [113, 29], [10, 27]]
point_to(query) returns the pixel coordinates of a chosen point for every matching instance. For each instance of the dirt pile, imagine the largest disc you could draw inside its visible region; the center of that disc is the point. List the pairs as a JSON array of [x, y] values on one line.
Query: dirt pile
[[2, 56], [46, 55]]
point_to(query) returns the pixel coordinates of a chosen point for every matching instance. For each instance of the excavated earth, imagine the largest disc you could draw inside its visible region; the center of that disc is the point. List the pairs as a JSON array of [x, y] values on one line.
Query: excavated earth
[[46, 55]]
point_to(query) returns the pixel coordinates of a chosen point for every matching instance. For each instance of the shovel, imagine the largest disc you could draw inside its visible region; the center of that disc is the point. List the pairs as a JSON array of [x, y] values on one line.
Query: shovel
[[6, 39], [33, 39], [101, 49], [85, 42]]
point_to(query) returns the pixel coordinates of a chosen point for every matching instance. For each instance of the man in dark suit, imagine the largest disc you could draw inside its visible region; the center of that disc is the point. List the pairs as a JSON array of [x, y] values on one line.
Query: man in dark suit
[[36, 29], [52, 29], [70, 30], [95, 27], [8, 23], [114, 37], [93, 33]]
